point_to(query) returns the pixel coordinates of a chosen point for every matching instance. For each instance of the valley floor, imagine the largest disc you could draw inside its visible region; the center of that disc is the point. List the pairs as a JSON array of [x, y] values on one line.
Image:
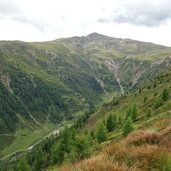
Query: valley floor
[[26, 138]]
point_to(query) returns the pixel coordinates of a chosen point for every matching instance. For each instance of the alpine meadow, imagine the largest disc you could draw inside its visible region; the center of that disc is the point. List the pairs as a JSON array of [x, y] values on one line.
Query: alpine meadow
[[65, 100]]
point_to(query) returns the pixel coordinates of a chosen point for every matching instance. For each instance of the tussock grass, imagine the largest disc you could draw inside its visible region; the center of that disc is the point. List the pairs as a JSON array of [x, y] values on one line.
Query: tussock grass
[[139, 151]]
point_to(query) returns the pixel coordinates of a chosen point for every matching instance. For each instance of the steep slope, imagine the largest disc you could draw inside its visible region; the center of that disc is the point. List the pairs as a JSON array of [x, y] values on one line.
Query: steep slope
[[140, 151], [148, 147], [48, 82], [143, 150]]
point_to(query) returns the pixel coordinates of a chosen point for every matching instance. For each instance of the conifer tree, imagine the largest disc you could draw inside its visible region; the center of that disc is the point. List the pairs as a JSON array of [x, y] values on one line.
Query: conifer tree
[[101, 133], [165, 94], [39, 160], [111, 123], [134, 113], [82, 146], [128, 113], [127, 127], [64, 147], [23, 165], [119, 120]]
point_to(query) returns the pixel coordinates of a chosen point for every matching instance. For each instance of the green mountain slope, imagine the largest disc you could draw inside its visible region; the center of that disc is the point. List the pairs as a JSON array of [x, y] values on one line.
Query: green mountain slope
[[149, 109], [49, 82]]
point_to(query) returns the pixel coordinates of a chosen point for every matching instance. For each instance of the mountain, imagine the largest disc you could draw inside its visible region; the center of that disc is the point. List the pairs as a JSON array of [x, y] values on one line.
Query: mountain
[[44, 83], [143, 144], [146, 146]]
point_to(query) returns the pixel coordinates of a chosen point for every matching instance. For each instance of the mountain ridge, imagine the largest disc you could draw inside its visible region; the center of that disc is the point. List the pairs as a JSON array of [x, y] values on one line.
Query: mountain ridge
[[90, 35]]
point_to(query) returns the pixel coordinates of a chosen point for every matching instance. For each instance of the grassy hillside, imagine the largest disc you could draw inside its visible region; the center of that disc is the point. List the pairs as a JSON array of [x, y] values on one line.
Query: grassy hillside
[[141, 150], [51, 82], [146, 148]]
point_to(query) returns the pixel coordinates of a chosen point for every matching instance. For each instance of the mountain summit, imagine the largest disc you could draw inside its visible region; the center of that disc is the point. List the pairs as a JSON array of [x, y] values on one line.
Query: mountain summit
[[97, 35]]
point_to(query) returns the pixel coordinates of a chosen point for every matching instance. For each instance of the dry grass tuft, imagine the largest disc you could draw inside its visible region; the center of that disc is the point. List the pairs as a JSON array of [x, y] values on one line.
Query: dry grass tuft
[[143, 137], [140, 151]]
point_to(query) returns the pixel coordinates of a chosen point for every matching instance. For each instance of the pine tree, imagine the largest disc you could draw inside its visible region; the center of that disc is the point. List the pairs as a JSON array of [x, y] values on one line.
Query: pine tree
[[165, 94], [64, 146], [101, 133], [23, 165], [92, 134], [145, 99], [111, 123], [128, 113], [82, 146], [40, 158], [127, 127], [134, 113]]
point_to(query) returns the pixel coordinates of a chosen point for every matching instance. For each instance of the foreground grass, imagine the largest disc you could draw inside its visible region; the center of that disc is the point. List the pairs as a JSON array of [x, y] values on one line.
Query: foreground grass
[[140, 151]]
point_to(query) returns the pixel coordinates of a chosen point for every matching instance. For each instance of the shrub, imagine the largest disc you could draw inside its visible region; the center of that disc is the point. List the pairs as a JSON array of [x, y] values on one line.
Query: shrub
[[158, 103], [145, 99], [101, 133], [111, 123], [165, 94], [128, 127]]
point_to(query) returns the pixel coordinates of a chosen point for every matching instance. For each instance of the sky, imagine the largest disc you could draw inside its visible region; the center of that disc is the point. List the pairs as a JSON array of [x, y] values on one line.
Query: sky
[[43, 20]]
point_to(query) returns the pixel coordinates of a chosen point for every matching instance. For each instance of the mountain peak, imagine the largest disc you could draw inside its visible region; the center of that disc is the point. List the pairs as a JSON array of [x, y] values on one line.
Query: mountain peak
[[94, 34]]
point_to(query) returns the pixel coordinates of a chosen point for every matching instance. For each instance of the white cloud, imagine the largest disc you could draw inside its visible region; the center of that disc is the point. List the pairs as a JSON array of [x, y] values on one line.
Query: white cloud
[[148, 13], [40, 20]]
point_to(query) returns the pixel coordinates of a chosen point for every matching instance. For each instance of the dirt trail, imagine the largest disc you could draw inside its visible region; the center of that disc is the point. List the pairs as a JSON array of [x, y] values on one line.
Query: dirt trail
[[34, 119]]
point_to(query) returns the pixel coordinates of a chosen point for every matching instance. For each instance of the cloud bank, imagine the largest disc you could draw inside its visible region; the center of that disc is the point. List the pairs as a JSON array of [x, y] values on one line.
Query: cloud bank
[[37, 20], [147, 13]]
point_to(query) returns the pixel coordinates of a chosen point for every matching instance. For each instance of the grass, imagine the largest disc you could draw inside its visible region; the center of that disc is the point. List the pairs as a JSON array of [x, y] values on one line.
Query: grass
[[54, 72], [147, 148], [26, 137], [155, 55], [141, 150]]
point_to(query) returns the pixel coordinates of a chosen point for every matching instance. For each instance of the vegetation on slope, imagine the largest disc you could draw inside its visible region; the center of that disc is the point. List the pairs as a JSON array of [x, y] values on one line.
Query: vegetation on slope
[[140, 151], [147, 148], [146, 109], [53, 80], [49, 83]]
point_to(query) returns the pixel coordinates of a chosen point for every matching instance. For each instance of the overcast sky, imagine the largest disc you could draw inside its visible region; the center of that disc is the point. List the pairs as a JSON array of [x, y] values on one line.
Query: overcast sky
[[41, 20]]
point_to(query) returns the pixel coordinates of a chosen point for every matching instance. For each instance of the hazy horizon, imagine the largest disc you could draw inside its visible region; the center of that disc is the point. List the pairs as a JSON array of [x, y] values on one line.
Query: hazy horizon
[[35, 21]]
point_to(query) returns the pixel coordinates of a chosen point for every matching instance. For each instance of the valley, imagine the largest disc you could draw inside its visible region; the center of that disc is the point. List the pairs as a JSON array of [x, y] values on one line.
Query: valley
[[77, 81]]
